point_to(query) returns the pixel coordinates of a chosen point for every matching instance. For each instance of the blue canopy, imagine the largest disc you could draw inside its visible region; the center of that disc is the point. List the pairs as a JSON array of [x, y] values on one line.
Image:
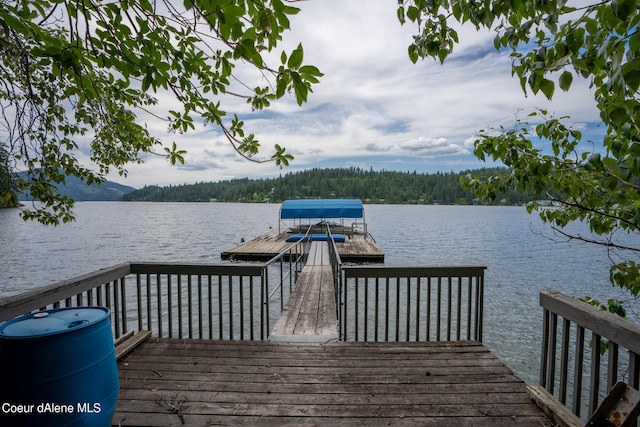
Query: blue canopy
[[321, 208]]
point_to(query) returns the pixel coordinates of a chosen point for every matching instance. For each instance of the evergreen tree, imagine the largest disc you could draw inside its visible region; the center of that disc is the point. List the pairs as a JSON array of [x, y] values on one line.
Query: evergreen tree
[[349, 183], [8, 194]]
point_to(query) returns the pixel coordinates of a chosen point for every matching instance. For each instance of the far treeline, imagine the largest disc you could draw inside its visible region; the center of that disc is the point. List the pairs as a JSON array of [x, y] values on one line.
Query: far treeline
[[350, 183]]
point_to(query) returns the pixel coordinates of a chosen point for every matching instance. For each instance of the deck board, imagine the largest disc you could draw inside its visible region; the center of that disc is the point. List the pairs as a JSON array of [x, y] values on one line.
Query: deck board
[[310, 312], [173, 382]]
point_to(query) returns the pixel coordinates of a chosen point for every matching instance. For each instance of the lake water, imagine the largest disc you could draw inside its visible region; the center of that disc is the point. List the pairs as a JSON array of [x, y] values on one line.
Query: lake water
[[517, 248]]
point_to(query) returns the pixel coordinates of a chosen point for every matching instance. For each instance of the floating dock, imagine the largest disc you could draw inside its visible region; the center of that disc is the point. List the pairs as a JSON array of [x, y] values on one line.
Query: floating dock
[[311, 217], [356, 248]]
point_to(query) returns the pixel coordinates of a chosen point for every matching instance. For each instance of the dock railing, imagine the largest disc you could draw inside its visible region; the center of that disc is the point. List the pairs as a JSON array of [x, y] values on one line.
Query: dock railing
[[240, 301], [289, 264], [336, 270], [380, 303], [580, 368], [224, 301]]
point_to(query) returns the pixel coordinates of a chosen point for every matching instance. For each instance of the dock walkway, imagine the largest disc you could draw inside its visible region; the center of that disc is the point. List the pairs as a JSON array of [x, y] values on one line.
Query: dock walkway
[[176, 382], [310, 312]]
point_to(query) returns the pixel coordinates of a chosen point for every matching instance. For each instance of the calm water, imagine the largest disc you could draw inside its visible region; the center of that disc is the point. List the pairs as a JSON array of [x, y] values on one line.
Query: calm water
[[516, 248]]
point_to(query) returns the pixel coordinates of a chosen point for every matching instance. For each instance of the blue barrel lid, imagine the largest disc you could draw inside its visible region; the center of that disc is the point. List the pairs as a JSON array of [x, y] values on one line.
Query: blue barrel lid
[[49, 322]]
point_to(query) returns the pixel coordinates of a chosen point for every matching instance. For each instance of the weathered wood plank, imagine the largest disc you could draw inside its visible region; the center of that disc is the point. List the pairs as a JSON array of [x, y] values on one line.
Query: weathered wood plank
[[558, 412], [264, 383], [170, 380], [208, 401], [318, 254], [151, 380], [265, 347], [317, 314], [439, 368], [290, 315], [302, 358], [311, 308], [179, 404], [193, 420], [125, 346], [372, 354]]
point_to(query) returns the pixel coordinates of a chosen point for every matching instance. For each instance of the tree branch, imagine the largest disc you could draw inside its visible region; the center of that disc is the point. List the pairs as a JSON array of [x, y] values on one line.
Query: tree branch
[[608, 243]]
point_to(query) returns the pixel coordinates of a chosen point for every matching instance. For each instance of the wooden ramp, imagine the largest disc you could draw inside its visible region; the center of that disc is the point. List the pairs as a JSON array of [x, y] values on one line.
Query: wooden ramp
[[197, 383], [310, 313]]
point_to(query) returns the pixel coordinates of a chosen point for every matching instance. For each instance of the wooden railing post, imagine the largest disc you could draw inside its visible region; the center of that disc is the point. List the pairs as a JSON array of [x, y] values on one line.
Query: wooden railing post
[[620, 333]]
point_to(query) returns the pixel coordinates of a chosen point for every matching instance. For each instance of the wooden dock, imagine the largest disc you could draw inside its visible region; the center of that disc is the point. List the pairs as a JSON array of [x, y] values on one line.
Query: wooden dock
[[304, 376], [310, 312], [175, 382], [356, 248], [214, 378]]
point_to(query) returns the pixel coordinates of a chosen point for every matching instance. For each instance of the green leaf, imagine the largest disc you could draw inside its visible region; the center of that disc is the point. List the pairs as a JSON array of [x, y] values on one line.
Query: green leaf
[[413, 13], [547, 87], [413, 52], [624, 8], [174, 155], [310, 70], [400, 14], [442, 55], [295, 60], [281, 86], [631, 76], [565, 80], [515, 4]]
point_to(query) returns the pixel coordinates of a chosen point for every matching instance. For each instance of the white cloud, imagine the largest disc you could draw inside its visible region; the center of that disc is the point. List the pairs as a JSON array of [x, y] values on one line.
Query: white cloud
[[431, 147], [373, 107]]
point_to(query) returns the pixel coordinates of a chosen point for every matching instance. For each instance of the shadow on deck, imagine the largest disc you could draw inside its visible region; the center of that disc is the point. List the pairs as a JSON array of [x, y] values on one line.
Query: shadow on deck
[[175, 382]]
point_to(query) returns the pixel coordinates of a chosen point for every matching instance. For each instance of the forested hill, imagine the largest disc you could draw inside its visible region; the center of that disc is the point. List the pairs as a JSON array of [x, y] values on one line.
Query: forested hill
[[368, 186]]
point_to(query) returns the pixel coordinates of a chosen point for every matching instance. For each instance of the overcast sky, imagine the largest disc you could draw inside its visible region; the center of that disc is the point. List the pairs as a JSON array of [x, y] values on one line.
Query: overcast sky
[[373, 107]]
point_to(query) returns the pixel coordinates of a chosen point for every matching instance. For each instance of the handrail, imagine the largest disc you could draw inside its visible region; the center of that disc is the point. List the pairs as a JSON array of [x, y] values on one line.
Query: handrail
[[336, 269], [36, 299], [294, 255], [304, 239], [380, 303], [231, 301], [568, 378], [181, 300]]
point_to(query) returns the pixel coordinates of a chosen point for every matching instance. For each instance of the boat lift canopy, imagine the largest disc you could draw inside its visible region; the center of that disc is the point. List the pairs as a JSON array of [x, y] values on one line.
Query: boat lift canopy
[[321, 208]]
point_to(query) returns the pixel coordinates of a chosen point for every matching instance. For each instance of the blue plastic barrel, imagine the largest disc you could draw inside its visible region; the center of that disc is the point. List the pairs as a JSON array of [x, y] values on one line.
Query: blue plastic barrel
[[58, 368]]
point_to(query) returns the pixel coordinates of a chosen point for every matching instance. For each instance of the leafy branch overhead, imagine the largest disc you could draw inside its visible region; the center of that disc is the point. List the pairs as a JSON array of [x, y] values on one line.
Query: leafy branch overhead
[[83, 70], [552, 44]]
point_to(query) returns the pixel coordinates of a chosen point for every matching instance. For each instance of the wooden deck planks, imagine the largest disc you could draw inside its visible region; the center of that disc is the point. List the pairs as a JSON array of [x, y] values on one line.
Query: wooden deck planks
[[310, 312], [318, 254], [171, 382], [356, 248]]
